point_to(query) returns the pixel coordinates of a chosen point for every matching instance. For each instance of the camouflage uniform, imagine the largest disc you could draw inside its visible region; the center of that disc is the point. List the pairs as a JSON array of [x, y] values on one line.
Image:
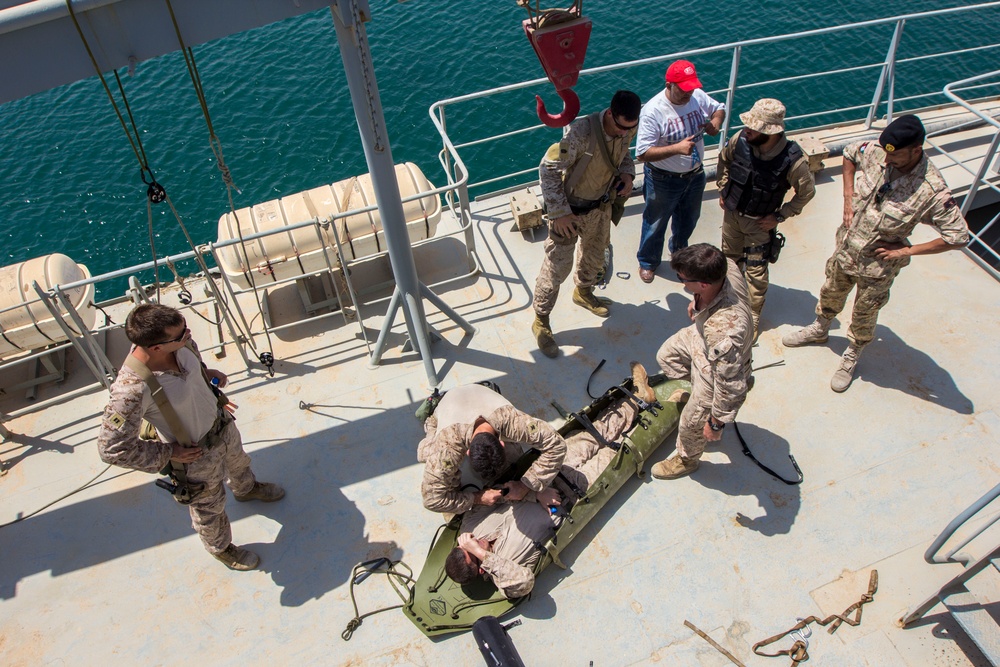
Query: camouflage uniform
[[919, 196], [715, 352], [586, 458], [449, 432], [514, 530], [119, 442], [594, 227], [741, 231]]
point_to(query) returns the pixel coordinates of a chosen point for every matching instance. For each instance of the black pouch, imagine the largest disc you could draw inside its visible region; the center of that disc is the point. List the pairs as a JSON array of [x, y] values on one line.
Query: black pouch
[[775, 245]]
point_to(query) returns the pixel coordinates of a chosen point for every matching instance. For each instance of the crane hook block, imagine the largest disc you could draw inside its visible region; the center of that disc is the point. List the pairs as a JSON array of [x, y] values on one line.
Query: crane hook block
[[561, 47], [571, 107]]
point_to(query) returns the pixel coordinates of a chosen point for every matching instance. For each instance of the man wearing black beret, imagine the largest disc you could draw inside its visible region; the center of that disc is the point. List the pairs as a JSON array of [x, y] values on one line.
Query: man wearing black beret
[[889, 188]]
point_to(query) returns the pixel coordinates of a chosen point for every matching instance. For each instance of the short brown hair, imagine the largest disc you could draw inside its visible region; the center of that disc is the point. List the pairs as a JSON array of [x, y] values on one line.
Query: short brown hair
[[147, 324], [702, 262], [460, 568]]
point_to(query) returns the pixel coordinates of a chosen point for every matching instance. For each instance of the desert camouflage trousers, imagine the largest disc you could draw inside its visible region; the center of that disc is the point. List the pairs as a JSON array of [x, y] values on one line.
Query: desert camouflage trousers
[[872, 295], [682, 357], [594, 233], [585, 458], [739, 232], [226, 461]]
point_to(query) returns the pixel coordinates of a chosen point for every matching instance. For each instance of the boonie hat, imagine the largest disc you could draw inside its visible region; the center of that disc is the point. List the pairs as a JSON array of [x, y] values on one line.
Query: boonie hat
[[767, 116], [903, 132], [682, 73]]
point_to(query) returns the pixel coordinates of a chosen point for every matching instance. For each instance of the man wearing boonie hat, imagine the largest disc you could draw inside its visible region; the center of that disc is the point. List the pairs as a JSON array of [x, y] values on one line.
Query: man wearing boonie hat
[[757, 168], [671, 142], [889, 188]]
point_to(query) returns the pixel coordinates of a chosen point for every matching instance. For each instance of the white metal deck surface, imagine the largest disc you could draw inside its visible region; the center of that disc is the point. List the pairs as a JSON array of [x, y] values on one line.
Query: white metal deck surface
[[115, 575]]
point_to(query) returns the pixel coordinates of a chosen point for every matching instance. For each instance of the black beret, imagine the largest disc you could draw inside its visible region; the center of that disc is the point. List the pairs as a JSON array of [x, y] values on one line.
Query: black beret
[[903, 132]]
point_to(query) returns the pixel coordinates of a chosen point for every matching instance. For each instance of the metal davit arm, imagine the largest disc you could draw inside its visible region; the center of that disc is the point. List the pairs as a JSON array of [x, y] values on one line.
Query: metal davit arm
[[349, 17]]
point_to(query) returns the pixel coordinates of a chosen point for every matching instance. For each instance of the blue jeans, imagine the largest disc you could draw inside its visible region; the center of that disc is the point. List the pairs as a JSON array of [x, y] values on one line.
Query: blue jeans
[[666, 197]]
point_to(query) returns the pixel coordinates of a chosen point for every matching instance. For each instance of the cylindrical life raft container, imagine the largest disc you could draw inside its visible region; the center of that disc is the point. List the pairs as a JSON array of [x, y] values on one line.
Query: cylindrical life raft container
[[301, 252], [25, 322]]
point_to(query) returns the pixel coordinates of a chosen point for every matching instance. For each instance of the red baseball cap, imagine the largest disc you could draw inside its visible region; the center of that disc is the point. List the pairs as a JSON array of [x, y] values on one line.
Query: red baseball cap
[[682, 73]]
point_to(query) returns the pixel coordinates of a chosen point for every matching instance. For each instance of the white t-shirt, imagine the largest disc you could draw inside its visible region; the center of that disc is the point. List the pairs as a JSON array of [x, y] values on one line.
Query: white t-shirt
[[662, 123]]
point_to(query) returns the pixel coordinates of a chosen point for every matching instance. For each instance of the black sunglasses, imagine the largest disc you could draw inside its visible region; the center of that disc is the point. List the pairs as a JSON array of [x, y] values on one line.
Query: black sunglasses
[[178, 339], [627, 128]]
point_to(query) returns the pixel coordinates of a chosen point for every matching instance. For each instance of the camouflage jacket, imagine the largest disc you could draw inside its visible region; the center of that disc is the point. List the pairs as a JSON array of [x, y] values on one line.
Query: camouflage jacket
[[557, 163], [726, 326], [444, 451], [118, 441], [920, 196], [449, 431], [514, 530]]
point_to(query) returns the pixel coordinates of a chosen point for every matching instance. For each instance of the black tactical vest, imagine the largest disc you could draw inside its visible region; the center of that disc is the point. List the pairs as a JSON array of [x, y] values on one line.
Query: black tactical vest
[[758, 187]]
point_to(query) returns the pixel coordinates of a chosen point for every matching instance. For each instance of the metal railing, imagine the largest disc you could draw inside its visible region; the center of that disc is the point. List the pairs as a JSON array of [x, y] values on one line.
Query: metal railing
[[881, 99], [979, 248], [234, 327]]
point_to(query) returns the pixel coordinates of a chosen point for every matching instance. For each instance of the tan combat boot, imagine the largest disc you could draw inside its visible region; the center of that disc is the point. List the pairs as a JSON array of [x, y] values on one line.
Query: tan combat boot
[[584, 296], [817, 332], [263, 491], [543, 335], [845, 374], [640, 382], [237, 558], [674, 466]]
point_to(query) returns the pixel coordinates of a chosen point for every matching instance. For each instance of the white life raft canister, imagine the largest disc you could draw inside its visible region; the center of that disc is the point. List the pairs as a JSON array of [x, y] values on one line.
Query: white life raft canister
[[301, 251], [25, 322]]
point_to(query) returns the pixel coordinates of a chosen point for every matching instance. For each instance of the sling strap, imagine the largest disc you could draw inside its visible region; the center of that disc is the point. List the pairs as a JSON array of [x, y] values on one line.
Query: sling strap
[[746, 450], [177, 470]]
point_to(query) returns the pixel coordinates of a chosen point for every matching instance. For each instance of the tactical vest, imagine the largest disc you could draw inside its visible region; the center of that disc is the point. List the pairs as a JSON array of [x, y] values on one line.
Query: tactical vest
[[592, 176], [758, 187]]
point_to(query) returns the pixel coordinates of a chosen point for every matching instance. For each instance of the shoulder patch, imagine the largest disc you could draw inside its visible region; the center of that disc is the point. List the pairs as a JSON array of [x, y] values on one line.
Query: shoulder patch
[[116, 420], [863, 146], [947, 200]]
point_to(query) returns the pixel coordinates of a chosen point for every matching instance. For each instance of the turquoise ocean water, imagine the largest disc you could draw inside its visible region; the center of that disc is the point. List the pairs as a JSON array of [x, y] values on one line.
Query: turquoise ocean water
[[69, 182]]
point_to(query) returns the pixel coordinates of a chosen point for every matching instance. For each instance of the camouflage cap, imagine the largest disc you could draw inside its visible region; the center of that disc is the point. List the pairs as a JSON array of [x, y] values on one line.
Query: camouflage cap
[[767, 116]]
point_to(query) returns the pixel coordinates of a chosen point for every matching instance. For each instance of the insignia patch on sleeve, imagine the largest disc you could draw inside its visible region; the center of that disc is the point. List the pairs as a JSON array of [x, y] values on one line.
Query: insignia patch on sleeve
[[950, 203], [116, 420]]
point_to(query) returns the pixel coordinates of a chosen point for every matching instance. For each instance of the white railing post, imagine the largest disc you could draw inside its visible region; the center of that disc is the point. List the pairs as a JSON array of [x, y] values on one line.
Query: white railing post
[[888, 75]]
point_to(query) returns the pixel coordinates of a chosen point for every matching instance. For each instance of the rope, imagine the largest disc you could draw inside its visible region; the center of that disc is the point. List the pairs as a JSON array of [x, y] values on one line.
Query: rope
[[797, 651], [266, 358], [152, 248], [60, 498], [398, 580]]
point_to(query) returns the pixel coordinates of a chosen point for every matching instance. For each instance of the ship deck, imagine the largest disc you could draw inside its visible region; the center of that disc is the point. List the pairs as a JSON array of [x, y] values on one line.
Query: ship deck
[[114, 574]]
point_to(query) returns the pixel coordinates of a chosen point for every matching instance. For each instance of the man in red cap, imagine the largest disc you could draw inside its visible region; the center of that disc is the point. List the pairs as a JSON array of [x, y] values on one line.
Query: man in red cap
[[670, 141], [889, 188]]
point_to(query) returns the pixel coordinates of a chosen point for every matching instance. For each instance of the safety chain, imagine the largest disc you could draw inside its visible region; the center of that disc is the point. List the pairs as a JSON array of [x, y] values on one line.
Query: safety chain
[[797, 652]]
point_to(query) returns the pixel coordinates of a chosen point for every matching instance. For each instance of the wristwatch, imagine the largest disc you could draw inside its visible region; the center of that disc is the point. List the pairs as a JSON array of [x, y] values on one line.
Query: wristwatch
[[779, 217], [716, 425]]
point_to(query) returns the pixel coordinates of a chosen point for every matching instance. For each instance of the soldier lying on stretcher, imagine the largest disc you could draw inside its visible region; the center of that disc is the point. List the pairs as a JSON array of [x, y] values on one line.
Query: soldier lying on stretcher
[[504, 541]]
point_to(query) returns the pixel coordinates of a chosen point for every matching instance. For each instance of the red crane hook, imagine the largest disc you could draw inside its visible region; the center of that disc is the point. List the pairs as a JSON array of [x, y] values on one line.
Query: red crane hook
[[561, 46], [571, 107]]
